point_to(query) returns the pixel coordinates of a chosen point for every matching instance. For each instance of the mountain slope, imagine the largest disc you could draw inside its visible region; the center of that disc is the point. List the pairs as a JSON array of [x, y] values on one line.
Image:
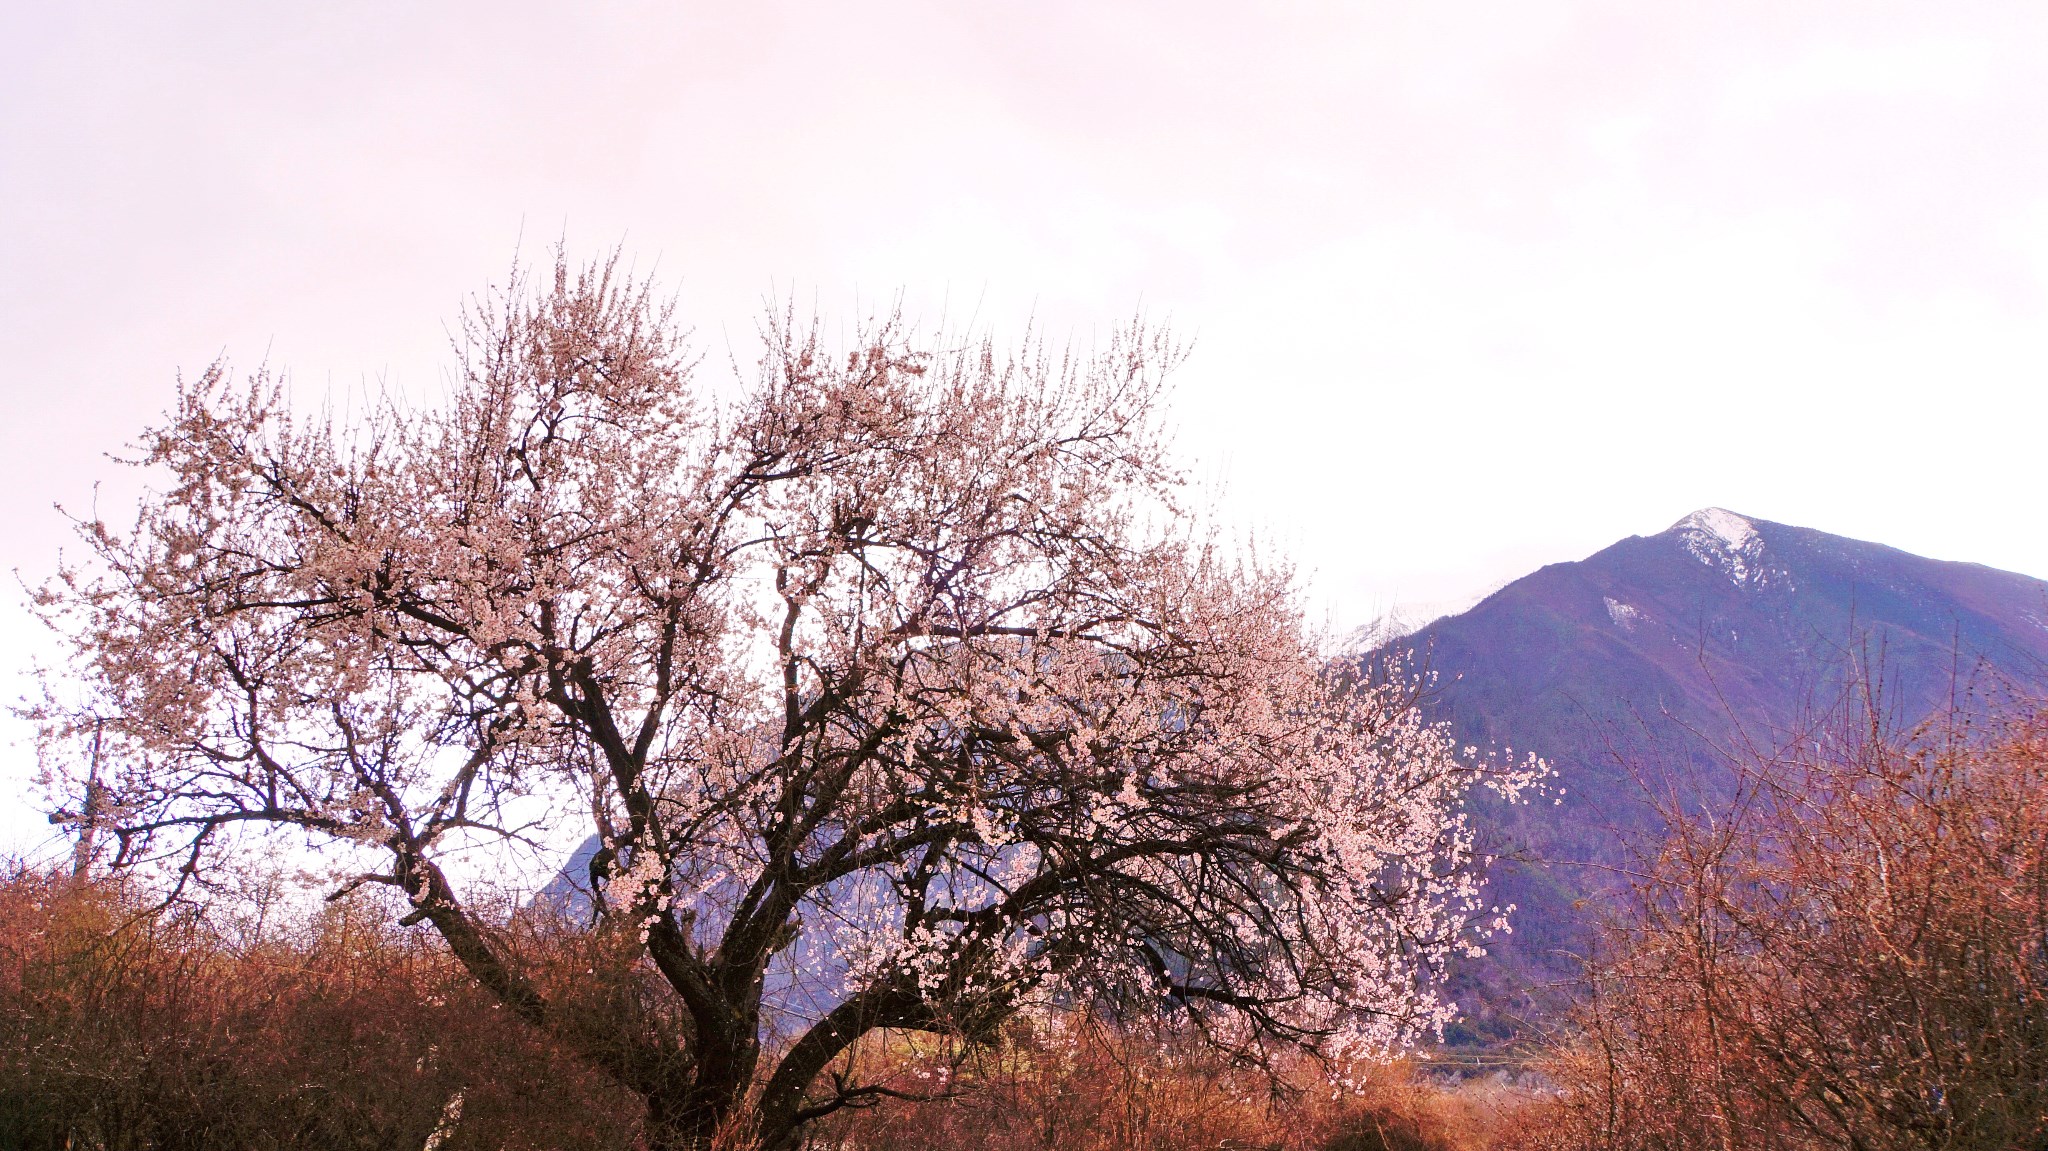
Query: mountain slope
[[1652, 659]]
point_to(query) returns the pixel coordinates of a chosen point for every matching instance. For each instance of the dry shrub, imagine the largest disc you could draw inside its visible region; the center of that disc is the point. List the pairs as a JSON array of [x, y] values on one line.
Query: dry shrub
[[126, 1026], [1401, 1109], [1097, 1088], [1855, 954]]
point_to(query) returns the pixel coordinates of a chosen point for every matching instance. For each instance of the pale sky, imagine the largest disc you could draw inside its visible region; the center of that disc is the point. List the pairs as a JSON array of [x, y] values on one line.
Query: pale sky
[[1472, 288]]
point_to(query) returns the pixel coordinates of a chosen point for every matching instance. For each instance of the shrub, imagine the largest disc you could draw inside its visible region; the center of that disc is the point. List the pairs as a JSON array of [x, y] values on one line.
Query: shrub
[[127, 1025], [1850, 955]]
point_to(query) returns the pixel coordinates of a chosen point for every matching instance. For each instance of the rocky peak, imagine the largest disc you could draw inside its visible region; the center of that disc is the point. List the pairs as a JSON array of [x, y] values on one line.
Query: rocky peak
[[1726, 542]]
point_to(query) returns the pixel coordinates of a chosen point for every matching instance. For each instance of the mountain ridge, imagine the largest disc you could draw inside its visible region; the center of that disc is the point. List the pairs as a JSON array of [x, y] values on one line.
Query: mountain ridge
[[1657, 657]]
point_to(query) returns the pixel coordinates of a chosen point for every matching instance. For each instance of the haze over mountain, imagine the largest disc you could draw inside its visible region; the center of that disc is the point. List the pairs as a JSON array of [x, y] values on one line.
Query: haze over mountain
[[1655, 659]]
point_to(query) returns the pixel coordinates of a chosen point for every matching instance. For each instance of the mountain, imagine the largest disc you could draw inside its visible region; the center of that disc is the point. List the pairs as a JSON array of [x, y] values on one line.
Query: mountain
[[1656, 658]]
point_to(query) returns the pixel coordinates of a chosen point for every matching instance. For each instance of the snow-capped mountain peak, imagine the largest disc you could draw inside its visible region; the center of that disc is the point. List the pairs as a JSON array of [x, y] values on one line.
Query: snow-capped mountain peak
[[1721, 539], [1670, 656]]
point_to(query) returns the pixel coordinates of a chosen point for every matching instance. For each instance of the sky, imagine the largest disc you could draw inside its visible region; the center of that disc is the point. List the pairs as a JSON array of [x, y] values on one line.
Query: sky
[[1471, 288]]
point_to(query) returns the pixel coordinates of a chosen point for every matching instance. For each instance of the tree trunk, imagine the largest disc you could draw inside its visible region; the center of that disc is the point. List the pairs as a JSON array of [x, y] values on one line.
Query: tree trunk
[[696, 1115], [692, 1120]]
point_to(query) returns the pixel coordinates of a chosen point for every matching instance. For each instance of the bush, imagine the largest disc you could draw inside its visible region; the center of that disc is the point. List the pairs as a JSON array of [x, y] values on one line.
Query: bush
[[1851, 955], [1093, 1087], [123, 1025], [126, 1025]]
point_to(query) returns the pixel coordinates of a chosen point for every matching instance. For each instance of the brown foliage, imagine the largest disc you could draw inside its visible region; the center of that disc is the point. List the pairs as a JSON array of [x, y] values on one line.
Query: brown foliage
[[125, 1025], [1098, 1088], [1851, 955], [122, 1026]]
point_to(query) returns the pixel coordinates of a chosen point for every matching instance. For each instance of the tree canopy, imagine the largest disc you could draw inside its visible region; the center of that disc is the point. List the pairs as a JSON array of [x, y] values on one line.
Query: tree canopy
[[911, 656]]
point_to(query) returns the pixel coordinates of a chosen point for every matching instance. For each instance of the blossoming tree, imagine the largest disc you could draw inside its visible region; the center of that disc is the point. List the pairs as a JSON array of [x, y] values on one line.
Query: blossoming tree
[[904, 663]]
